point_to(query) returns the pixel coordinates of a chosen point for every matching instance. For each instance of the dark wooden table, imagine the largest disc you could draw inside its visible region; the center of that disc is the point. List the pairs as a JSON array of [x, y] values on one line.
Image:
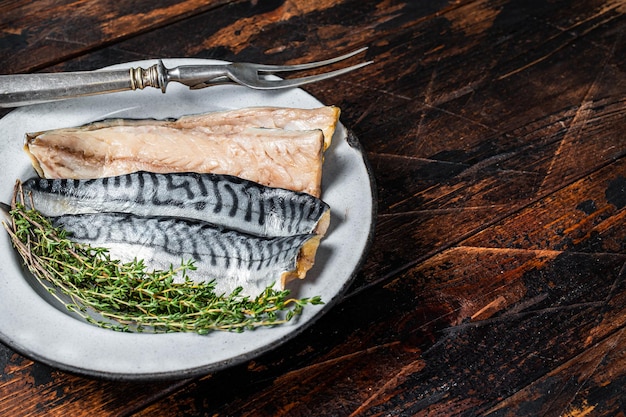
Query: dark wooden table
[[496, 133]]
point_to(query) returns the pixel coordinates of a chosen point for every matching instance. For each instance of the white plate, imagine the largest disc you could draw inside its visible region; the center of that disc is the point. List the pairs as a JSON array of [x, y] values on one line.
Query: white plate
[[32, 325]]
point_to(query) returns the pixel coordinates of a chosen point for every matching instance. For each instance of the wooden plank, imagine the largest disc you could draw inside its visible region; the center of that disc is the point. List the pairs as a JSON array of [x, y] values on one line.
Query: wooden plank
[[589, 218], [32, 388], [269, 32], [591, 383], [37, 34], [452, 169]]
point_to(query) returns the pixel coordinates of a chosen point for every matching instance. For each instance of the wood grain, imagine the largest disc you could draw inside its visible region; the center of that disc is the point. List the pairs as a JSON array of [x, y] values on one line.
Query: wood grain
[[40, 33]]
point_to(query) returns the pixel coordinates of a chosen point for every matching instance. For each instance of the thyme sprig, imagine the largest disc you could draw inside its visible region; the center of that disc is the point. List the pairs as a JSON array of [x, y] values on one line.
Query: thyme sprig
[[127, 296]]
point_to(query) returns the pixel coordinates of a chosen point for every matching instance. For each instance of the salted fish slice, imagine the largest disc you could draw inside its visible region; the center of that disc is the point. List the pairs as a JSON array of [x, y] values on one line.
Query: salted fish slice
[[278, 147], [229, 257], [223, 200], [235, 121], [272, 157]]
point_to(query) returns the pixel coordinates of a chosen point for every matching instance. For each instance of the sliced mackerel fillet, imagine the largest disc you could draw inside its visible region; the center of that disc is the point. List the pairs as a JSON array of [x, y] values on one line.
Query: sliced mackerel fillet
[[273, 157], [274, 146]]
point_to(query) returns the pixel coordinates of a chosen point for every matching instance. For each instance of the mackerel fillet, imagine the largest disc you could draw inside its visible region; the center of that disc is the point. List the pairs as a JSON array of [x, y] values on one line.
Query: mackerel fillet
[[223, 200], [232, 259], [276, 147]]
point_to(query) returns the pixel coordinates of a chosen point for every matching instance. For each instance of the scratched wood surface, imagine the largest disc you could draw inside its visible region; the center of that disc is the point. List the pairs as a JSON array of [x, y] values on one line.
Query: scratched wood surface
[[495, 284]]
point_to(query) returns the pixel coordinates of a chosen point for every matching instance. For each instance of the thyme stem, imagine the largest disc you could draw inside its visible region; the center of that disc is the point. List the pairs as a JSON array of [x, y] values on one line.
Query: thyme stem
[[128, 297]]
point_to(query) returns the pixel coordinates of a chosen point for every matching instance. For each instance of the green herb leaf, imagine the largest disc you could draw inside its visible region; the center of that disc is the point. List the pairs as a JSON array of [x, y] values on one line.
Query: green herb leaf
[[126, 296]]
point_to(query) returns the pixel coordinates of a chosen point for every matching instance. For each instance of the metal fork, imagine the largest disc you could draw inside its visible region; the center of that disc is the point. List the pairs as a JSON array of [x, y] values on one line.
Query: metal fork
[[24, 89]]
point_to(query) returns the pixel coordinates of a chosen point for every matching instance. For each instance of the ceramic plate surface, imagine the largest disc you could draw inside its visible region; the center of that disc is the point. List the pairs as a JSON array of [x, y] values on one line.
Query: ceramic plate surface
[[32, 325]]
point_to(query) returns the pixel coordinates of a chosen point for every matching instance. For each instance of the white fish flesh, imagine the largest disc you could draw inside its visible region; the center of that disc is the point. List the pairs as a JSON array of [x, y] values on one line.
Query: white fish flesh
[[272, 157], [233, 121], [230, 258], [223, 200], [275, 147]]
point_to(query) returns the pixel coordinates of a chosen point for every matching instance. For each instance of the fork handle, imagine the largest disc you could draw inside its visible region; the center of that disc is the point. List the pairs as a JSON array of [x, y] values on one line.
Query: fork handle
[[25, 89], [198, 76]]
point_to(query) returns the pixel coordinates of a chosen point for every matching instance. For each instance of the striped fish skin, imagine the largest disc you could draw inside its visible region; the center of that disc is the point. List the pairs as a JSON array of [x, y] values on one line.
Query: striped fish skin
[[223, 200], [230, 258]]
